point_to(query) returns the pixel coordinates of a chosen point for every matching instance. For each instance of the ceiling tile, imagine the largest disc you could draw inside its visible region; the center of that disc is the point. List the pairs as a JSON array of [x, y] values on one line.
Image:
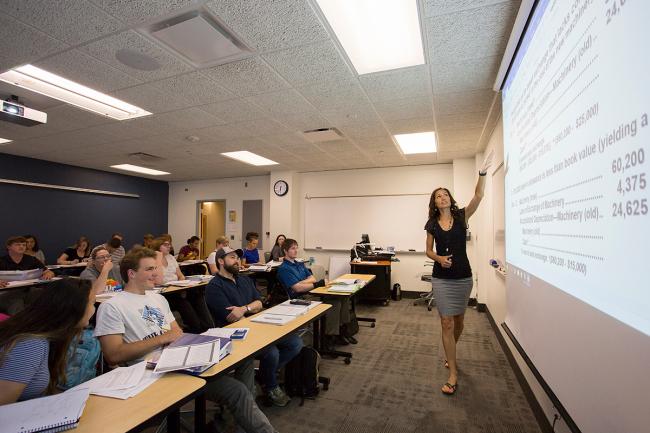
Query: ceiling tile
[[260, 127], [83, 69], [282, 102], [480, 32], [463, 102], [234, 110], [303, 121], [464, 75], [397, 109], [475, 119], [270, 25], [363, 130], [135, 11], [347, 115], [282, 140], [186, 119], [332, 94], [152, 99], [247, 77], [195, 88], [105, 50], [74, 22], [442, 7], [20, 44], [307, 64], [408, 126], [398, 84]]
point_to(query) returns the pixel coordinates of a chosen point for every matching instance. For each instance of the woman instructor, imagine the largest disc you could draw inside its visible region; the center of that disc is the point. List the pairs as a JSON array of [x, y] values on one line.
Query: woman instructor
[[452, 274]]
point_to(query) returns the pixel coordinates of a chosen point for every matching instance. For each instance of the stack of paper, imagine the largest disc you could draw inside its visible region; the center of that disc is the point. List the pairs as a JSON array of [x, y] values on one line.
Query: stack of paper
[[46, 414], [122, 382], [344, 281], [193, 352], [284, 313], [259, 268], [342, 288], [274, 264], [181, 283], [273, 319], [200, 278]]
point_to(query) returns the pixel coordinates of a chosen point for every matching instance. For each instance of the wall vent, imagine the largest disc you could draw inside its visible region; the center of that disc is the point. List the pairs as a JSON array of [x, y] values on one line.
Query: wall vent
[[322, 134]]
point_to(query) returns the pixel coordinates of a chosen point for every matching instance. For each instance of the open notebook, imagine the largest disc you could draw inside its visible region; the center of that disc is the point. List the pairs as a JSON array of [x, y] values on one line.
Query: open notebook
[[46, 414]]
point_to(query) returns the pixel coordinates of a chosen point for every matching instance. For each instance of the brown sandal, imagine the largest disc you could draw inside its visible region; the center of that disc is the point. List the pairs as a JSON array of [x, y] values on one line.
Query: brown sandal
[[446, 364], [450, 386]]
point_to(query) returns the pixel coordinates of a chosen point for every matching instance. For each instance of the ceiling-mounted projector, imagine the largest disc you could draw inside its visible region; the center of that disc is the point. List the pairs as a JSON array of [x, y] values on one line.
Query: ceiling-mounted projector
[[16, 113]]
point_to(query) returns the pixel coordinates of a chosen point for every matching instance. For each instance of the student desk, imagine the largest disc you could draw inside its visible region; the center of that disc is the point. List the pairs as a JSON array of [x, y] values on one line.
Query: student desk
[[367, 278], [380, 289], [27, 283], [68, 270], [163, 397], [262, 335], [163, 291]]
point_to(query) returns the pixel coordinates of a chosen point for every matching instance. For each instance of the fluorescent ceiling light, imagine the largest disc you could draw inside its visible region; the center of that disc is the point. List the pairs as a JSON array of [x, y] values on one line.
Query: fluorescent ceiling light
[[249, 158], [138, 169], [48, 84], [377, 35], [5, 141], [421, 142]]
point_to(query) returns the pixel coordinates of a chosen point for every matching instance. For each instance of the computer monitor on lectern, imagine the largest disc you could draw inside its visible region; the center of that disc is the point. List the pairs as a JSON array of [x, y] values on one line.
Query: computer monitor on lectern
[[365, 239]]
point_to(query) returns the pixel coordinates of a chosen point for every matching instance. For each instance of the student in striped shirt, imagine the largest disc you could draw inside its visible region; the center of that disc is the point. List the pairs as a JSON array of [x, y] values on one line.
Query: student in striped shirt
[[34, 342]]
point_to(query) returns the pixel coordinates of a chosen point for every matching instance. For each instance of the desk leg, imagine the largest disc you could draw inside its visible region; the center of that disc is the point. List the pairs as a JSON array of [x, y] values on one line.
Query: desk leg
[[174, 421], [370, 320], [199, 413], [323, 348]]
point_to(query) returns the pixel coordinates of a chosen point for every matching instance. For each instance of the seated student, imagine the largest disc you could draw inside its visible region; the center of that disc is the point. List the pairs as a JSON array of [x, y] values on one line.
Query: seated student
[[251, 255], [147, 240], [191, 250], [101, 271], [277, 253], [222, 242], [298, 280], [77, 253], [168, 237], [189, 303], [33, 248], [114, 247], [18, 260], [230, 297], [136, 322], [34, 342]]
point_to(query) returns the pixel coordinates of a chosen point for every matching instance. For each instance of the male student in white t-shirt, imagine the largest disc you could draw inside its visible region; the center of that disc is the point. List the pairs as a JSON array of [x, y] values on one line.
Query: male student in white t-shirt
[[135, 322]]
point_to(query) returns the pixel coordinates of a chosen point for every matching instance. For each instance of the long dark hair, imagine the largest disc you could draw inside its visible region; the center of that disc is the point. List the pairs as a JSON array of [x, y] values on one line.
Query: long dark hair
[[78, 244], [55, 316], [193, 239], [36, 248], [434, 212], [278, 238]]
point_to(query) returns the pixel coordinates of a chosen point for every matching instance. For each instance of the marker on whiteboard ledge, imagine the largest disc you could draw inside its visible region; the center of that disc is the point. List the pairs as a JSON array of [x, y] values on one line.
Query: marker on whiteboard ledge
[[411, 249], [319, 248]]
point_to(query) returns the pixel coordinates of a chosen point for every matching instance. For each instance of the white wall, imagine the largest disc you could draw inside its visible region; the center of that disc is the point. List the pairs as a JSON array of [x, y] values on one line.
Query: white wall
[[492, 289], [183, 198], [395, 180]]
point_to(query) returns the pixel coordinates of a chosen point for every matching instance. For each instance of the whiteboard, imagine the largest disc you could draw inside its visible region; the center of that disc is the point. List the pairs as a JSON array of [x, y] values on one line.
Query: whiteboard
[[390, 220]]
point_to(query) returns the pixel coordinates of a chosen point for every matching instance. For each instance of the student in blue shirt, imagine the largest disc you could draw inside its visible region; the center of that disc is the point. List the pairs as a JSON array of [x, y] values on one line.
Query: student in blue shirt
[[230, 297], [251, 255], [34, 342], [299, 281]]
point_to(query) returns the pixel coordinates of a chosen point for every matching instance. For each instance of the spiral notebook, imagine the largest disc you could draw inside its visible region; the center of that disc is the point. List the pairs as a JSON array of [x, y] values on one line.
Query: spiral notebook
[[46, 414]]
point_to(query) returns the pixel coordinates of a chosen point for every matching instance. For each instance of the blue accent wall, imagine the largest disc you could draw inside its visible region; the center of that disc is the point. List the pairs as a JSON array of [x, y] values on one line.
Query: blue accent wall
[[57, 218]]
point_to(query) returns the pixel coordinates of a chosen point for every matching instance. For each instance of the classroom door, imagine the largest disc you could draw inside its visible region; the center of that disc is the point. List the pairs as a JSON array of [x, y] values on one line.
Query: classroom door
[[252, 220], [212, 224]]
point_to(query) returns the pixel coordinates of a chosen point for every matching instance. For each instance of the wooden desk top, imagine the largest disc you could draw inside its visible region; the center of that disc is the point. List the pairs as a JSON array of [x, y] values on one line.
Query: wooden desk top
[[107, 415], [260, 336], [367, 278], [172, 289], [377, 263]]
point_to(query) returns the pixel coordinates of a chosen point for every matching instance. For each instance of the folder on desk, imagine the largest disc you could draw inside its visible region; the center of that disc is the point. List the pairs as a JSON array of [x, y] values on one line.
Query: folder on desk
[[192, 352], [46, 414], [273, 319]]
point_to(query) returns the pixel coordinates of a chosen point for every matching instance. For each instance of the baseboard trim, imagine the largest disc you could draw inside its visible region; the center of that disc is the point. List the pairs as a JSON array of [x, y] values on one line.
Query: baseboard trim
[[540, 416]]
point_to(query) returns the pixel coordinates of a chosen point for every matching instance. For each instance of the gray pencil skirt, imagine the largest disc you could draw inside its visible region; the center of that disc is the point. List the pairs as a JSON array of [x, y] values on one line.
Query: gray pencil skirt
[[451, 295]]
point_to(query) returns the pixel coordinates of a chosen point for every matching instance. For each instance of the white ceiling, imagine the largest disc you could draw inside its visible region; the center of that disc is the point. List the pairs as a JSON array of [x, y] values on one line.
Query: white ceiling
[[298, 78]]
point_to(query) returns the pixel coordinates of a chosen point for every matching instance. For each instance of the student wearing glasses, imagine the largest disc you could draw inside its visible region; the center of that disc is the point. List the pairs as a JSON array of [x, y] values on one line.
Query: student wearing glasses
[[102, 272]]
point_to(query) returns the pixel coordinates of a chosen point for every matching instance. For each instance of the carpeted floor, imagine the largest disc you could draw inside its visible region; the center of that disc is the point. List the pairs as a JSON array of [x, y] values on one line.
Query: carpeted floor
[[393, 383]]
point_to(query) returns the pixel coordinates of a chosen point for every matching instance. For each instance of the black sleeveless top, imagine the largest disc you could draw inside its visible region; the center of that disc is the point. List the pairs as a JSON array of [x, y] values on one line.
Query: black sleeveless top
[[451, 242]]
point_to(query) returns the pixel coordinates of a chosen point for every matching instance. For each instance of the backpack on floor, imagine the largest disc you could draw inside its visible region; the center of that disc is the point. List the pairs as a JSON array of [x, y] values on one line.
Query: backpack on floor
[[301, 375], [83, 354]]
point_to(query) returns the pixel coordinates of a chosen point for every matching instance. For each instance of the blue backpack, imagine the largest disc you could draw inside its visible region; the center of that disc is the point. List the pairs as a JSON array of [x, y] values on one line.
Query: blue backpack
[[83, 354]]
